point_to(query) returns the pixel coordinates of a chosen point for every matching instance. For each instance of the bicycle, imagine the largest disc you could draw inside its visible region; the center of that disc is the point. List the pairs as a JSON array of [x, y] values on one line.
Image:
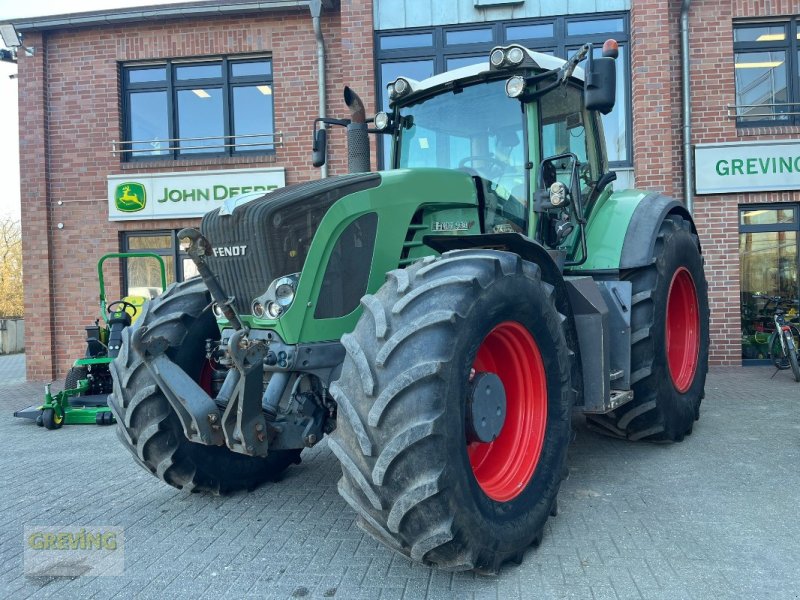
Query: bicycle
[[782, 342]]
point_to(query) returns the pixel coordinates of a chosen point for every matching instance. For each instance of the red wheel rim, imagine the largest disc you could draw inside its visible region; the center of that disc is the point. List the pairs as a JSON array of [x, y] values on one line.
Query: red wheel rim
[[683, 329], [504, 467]]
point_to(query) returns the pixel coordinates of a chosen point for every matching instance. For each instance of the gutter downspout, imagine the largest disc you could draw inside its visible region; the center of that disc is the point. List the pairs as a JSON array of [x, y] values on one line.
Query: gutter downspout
[[688, 159], [316, 11]]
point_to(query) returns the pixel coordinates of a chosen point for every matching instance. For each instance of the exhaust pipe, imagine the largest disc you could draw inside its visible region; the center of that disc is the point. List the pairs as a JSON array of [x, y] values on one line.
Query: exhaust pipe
[[358, 154]]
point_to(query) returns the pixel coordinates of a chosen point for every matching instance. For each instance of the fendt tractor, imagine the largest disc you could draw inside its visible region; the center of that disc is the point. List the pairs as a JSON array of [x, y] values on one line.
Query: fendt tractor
[[438, 321]]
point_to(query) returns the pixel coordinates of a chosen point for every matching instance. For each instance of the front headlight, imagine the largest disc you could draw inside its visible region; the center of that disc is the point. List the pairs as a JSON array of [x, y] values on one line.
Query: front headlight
[[274, 310], [515, 86], [284, 294], [258, 309], [277, 299], [514, 55], [381, 121], [497, 57]]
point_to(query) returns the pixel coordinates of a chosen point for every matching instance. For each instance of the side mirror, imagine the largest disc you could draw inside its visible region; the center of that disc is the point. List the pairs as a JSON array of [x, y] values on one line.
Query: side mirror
[[600, 87], [319, 149]]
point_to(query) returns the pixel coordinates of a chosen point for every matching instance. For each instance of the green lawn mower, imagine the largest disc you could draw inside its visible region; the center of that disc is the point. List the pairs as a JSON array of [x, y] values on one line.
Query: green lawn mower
[[88, 382]]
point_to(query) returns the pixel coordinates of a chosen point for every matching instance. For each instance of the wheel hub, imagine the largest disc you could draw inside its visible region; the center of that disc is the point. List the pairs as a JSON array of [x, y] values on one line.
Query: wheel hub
[[486, 408]]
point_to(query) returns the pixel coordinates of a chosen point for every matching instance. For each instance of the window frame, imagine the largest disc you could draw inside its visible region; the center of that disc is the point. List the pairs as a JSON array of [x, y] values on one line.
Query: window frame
[[559, 44], [173, 251], [790, 47], [227, 82], [744, 228]]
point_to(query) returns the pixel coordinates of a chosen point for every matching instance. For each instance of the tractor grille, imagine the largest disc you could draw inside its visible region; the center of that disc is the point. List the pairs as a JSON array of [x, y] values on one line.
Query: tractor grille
[[277, 231]]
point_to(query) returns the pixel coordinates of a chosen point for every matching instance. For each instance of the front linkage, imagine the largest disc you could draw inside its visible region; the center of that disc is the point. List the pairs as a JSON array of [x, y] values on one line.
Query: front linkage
[[244, 415]]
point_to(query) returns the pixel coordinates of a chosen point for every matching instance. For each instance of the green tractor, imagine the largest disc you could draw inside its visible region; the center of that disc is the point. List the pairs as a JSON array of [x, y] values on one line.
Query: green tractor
[[439, 321], [87, 385]]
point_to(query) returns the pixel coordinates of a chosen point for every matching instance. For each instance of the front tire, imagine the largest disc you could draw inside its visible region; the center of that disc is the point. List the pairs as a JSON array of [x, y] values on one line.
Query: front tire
[[51, 419], [416, 482], [791, 346], [795, 366], [146, 422], [670, 339]]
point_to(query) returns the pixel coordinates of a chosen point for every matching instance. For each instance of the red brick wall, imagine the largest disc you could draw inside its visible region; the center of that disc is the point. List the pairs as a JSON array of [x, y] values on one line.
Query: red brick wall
[[658, 134], [69, 114]]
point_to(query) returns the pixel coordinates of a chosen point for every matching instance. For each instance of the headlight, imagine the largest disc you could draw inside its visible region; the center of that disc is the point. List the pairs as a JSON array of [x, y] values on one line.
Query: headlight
[[401, 86], [278, 297], [274, 310], [381, 121], [514, 55], [515, 86], [497, 57], [284, 294]]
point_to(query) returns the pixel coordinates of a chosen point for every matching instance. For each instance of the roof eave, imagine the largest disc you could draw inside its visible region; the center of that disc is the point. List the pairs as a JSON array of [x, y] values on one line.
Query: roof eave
[[175, 11]]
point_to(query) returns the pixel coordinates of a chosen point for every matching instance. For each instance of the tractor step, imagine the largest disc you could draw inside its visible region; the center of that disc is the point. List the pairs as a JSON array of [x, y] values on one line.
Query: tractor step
[[614, 375], [617, 398]]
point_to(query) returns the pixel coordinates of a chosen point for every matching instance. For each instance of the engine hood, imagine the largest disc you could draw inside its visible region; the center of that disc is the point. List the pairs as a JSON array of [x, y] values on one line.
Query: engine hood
[[268, 237]]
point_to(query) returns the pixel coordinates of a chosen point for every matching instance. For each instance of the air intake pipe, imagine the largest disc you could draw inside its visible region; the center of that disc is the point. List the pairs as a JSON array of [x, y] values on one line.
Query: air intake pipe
[[358, 154]]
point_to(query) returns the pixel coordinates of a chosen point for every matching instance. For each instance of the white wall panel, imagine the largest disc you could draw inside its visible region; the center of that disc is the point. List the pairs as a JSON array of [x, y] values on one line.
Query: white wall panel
[[394, 14]]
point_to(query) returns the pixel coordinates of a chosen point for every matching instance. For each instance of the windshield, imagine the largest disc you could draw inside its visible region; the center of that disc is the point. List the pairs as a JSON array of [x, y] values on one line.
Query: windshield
[[478, 130]]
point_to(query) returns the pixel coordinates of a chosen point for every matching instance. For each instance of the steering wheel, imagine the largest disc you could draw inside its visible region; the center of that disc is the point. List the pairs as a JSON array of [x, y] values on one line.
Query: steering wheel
[[494, 166], [125, 306]]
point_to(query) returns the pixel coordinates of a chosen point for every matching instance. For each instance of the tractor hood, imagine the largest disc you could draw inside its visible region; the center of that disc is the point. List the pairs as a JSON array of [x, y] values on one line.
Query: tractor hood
[[269, 237]]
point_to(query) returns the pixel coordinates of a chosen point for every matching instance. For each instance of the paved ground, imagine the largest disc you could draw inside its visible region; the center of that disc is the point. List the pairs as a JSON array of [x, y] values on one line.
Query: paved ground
[[717, 516]]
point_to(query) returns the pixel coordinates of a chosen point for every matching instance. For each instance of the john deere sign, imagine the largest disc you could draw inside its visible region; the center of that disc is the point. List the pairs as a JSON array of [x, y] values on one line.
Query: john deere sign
[[176, 195], [747, 167]]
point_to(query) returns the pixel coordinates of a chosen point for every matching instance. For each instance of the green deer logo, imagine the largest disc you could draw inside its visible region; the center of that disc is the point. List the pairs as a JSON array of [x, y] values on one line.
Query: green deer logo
[[130, 197]]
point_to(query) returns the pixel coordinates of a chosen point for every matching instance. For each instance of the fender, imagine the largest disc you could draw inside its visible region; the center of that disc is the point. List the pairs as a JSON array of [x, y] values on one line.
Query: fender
[[639, 214], [640, 238], [517, 243]]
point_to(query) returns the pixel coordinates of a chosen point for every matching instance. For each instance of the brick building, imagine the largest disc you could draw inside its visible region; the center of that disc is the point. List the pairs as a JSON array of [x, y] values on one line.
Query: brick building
[[177, 95]]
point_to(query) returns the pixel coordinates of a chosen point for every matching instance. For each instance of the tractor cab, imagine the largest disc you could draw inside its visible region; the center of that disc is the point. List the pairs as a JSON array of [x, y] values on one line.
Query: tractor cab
[[525, 126]]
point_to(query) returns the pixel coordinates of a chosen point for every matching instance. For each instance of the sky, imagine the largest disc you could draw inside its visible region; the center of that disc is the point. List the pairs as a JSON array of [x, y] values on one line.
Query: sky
[[9, 120]]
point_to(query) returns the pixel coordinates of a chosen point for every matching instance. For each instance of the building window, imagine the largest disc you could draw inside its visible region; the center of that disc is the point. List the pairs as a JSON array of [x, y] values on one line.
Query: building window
[[143, 274], [421, 53], [769, 266], [177, 109], [766, 64]]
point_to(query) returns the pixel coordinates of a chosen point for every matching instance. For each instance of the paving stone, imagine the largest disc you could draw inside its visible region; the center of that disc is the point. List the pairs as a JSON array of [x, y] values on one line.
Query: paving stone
[[711, 517]]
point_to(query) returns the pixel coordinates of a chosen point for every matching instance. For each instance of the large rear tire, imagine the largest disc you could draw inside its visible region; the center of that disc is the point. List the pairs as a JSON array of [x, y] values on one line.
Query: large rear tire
[[146, 423], [416, 482], [670, 339]]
